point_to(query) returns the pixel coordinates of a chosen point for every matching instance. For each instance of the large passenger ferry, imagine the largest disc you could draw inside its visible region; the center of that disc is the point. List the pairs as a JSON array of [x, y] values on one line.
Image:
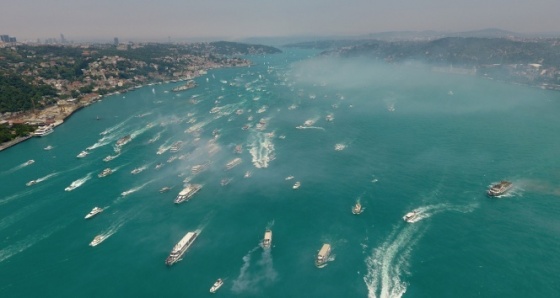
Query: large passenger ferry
[[232, 163], [323, 256], [180, 248], [43, 131], [187, 193]]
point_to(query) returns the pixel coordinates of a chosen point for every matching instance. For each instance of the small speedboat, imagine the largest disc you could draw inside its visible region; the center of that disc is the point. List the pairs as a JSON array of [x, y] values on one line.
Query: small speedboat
[[410, 216], [32, 182], [105, 172], [98, 239], [82, 154], [216, 285], [49, 147], [28, 162], [93, 212], [296, 185], [165, 189]]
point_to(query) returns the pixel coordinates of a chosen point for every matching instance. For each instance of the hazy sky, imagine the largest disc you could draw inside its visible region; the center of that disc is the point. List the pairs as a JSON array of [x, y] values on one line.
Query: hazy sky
[[232, 19]]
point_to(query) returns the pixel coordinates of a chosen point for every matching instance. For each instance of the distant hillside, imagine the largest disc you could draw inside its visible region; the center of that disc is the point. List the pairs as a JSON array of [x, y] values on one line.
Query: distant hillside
[[234, 48]]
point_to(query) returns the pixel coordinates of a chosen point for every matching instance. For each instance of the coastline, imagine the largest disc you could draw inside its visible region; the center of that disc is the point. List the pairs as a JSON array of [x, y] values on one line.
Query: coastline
[[92, 98]]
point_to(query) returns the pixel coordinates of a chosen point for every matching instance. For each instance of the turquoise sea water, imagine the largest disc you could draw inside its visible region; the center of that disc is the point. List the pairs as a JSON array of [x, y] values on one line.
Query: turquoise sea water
[[411, 139]]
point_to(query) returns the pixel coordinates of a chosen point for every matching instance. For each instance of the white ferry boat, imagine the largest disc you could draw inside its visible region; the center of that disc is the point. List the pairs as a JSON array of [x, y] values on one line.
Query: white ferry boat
[[267, 240], [216, 285], [82, 154], [180, 248], [93, 212], [105, 172], [296, 185], [323, 256], [410, 216], [98, 239], [43, 131], [187, 193], [232, 163]]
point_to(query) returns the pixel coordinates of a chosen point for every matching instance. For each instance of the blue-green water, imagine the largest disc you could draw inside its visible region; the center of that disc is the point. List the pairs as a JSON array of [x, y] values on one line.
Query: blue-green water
[[411, 139]]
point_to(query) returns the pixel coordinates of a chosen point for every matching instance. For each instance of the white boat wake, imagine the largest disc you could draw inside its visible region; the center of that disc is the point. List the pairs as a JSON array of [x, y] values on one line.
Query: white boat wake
[[431, 210], [79, 182], [134, 189], [27, 242], [262, 149], [265, 273], [388, 263]]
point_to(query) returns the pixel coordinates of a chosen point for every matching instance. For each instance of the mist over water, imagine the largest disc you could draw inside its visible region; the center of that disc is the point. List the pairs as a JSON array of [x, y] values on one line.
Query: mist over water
[[396, 138]]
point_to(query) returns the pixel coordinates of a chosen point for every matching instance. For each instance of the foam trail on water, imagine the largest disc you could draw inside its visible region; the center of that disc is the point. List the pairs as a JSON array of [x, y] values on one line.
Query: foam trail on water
[[46, 177], [118, 126], [27, 242], [79, 182], [388, 262], [134, 189], [262, 149], [18, 195], [243, 280]]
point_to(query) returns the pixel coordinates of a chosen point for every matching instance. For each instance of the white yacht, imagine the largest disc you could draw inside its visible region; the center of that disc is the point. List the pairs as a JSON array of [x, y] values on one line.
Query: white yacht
[[187, 193], [98, 239], [296, 185], [43, 131], [93, 212], [180, 248], [82, 154], [216, 285], [410, 216]]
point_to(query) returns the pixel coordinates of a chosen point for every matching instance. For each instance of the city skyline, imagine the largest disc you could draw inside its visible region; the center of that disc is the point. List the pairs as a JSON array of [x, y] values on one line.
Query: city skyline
[[230, 20]]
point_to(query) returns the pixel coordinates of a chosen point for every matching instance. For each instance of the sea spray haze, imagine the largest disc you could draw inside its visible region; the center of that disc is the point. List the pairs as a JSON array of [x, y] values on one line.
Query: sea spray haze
[[411, 139]]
